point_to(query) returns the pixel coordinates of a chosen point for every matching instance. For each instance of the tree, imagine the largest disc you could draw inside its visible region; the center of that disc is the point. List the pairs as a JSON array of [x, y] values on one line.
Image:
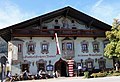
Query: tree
[[112, 49]]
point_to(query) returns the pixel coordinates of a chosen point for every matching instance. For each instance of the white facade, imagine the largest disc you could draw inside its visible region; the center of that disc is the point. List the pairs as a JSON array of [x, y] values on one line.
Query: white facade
[[34, 51], [33, 58]]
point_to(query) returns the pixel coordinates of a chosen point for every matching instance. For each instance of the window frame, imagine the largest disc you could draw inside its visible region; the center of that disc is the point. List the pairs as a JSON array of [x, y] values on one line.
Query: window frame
[[96, 47], [44, 47], [69, 46], [43, 44], [20, 48], [30, 45], [84, 46]]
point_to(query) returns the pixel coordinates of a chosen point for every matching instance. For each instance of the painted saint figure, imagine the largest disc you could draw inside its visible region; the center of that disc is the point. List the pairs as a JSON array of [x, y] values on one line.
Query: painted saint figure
[[65, 23]]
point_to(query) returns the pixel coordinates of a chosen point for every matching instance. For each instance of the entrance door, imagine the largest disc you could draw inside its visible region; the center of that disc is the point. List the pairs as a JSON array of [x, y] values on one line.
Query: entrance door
[[41, 66], [63, 69], [25, 67], [60, 66]]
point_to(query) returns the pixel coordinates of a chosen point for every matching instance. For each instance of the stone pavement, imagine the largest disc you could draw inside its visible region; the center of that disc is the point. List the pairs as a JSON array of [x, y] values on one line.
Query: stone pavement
[[78, 79]]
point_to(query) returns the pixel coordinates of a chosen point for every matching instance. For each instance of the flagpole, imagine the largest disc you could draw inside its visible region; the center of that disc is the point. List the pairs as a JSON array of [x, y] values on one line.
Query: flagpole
[[57, 45]]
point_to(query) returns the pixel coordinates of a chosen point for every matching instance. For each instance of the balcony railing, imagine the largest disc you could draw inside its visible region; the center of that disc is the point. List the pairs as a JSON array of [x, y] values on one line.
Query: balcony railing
[[61, 32]]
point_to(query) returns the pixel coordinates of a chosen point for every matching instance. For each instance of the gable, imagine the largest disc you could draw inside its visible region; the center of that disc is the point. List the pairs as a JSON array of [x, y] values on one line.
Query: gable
[[66, 22], [82, 21], [63, 22], [67, 11]]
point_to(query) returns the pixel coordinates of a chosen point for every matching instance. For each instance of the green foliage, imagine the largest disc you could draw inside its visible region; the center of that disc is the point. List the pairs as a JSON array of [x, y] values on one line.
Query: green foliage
[[94, 75], [98, 74], [113, 48], [86, 74], [116, 74], [106, 73]]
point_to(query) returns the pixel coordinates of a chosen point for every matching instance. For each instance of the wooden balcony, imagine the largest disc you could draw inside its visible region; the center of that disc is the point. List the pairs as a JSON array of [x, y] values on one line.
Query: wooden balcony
[[61, 33]]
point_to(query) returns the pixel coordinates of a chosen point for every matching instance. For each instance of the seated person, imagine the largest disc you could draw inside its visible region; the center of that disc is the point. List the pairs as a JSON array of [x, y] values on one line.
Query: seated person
[[25, 75]]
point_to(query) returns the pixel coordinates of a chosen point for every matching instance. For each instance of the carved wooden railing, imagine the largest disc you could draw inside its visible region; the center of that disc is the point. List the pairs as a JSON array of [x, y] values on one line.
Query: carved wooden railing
[[61, 32]]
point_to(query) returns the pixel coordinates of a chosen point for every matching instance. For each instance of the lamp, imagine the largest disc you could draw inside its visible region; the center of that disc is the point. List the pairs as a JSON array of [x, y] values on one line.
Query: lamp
[[94, 38], [74, 37], [30, 37], [52, 37]]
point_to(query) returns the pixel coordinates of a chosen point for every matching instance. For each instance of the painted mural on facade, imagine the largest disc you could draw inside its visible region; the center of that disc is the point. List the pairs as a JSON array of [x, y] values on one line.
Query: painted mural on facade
[[34, 48]]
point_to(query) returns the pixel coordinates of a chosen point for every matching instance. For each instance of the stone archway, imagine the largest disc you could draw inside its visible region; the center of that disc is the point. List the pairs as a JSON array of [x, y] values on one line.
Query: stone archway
[[61, 67]]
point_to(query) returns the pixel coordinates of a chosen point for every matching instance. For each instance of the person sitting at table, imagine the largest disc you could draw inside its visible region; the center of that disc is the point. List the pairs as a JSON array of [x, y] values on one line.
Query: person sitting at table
[[25, 75], [9, 75]]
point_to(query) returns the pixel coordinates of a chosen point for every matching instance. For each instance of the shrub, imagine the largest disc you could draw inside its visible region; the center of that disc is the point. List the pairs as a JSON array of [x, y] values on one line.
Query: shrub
[[86, 74], [98, 74], [116, 74], [94, 75], [110, 72], [101, 74]]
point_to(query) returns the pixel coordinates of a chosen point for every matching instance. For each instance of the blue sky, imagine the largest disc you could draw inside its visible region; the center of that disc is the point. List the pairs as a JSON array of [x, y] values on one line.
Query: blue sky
[[15, 11]]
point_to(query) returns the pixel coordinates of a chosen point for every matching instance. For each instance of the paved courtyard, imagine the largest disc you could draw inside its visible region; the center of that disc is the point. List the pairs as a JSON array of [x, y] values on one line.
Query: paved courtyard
[[78, 79]]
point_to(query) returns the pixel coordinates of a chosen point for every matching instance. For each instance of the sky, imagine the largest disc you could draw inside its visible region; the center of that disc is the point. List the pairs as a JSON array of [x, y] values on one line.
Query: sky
[[16, 11]]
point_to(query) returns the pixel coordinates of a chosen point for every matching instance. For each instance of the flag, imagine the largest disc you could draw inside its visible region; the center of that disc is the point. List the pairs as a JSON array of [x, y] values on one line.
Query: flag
[[57, 45]]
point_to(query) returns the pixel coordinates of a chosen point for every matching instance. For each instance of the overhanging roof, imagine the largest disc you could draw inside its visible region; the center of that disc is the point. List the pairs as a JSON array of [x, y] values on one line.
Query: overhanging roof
[[67, 11]]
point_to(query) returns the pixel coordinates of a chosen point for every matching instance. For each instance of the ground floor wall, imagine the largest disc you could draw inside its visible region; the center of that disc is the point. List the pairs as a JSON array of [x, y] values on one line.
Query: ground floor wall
[[33, 65], [33, 57]]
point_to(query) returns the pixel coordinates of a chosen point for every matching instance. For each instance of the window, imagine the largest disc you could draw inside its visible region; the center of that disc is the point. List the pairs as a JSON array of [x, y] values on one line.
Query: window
[[69, 46], [102, 63], [19, 48], [84, 45], [49, 67], [95, 46], [63, 46], [41, 66], [31, 47], [89, 64], [44, 47]]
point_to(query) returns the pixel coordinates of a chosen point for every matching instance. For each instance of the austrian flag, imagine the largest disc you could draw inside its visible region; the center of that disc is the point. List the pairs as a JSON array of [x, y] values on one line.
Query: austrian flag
[[57, 45]]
